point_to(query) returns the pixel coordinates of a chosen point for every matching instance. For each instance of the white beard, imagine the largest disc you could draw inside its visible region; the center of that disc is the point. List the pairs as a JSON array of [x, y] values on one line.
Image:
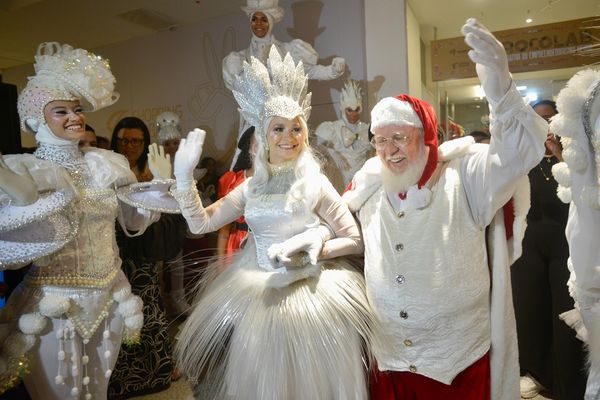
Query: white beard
[[400, 183]]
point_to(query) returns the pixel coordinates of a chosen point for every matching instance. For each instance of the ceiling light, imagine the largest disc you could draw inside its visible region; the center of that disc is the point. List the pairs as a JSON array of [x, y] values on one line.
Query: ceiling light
[[528, 21], [531, 97], [522, 87], [479, 93]]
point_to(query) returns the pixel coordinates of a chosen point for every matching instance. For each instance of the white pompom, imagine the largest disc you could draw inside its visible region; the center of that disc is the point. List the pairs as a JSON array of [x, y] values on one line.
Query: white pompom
[[61, 355], [121, 292], [107, 354], [135, 322], [54, 306], [32, 323], [564, 194], [59, 333], [562, 174], [86, 341], [85, 360], [130, 306], [59, 380], [75, 392], [576, 158], [86, 380], [88, 396], [108, 373], [106, 334]]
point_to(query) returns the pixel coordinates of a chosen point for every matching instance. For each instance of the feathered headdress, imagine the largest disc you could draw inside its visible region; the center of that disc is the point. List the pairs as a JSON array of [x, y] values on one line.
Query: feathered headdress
[[65, 73], [351, 96], [578, 104], [278, 89]]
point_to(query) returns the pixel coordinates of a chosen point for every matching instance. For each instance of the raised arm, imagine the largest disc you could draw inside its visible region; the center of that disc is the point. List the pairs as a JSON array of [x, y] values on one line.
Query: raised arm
[[518, 133], [198, 218]]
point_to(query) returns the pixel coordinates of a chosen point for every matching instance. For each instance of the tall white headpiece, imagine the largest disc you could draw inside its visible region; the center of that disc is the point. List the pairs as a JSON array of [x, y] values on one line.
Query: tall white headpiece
[[270, 7], [278, 89], [65, 73], [351, 96], [167, 124]]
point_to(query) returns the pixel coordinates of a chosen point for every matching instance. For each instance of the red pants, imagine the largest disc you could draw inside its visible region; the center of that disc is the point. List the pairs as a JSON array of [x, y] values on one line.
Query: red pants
[[471, 384]]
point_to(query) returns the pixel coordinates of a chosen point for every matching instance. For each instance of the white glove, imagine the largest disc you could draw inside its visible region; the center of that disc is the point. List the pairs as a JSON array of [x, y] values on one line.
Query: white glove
[[289, 253], [232, 67], [490, 58], [338, 66], [187, 157], [158, 162], [20, 188], [348, 137]]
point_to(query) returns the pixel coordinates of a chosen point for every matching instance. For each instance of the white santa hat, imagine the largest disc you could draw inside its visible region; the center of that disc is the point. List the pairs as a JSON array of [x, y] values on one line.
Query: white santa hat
[[392, 111]]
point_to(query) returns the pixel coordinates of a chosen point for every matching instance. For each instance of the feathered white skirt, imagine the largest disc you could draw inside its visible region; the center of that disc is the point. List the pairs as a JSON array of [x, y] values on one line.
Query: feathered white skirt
[[308, 340]]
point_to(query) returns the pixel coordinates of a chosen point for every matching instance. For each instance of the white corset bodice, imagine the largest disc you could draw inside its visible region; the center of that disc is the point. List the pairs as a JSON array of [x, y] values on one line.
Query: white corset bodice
[[271, 223]]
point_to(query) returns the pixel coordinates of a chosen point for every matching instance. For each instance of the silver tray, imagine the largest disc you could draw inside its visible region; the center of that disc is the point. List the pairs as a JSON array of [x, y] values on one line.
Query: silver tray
[[153, 196], [48, 203], [36, 239]]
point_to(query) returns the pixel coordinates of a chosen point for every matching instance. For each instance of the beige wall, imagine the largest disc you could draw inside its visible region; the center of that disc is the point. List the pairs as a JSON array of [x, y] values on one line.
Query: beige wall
[[385, 42], [180, 70], [413, 53]]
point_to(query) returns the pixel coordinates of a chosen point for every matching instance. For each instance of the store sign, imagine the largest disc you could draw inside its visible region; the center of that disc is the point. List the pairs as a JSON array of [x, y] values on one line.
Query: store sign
[[534, 48]]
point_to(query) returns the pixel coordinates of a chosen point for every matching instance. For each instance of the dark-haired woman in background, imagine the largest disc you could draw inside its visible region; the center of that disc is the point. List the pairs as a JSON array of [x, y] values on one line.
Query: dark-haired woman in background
[[132, 138], [550, 356], [145, 368]]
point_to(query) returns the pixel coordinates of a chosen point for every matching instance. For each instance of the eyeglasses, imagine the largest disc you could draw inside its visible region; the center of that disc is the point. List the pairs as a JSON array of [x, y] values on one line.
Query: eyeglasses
[[133, 142], [398, 139]]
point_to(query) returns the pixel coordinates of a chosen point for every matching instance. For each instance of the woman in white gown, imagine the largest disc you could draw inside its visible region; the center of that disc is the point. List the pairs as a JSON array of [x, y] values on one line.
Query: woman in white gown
[[288, 319], [74, 297]]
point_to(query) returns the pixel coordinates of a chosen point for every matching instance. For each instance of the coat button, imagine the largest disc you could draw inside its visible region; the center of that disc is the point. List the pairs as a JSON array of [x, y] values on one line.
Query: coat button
[[408, 343], [403, 314], [401, 214], [399, 247], [412, 368], [400, 279]]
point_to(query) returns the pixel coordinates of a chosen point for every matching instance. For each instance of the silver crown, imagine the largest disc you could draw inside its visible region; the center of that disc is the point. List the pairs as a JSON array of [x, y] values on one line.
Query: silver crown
[[351, 96], [278, 89]]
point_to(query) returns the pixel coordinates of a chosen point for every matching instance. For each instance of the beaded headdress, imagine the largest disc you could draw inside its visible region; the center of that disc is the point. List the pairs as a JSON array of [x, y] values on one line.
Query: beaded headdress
[[351, 96], [276, 90], [167, 125], [65, 73]]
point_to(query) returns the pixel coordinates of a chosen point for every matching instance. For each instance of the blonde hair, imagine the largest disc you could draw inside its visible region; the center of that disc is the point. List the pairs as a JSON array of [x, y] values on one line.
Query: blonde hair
[[305, 188]]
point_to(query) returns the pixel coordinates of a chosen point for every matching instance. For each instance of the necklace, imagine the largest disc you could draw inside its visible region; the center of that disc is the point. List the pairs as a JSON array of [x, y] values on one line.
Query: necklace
[[548, 161]]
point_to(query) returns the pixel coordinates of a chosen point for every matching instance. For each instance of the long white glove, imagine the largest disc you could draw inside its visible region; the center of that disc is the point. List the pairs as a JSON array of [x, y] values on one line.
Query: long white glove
[[338, 66], [187, 157], [20, 188], [158, 162], [490, 58], [289, 253]]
